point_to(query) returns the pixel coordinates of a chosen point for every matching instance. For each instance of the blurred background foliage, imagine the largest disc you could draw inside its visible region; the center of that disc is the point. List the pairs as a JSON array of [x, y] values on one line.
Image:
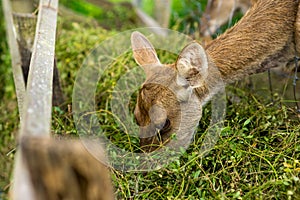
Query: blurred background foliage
[[118, 14]]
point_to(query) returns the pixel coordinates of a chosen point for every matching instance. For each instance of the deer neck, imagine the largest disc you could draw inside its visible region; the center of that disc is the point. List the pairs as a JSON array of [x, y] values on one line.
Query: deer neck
[[262, 39]]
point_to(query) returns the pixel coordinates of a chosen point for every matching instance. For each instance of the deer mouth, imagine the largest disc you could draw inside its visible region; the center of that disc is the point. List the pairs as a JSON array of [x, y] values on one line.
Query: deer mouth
[[158, 140]]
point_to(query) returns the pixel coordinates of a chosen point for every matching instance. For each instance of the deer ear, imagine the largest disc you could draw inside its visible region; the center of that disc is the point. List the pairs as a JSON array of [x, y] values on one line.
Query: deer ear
[[192, 65], [143, 51]]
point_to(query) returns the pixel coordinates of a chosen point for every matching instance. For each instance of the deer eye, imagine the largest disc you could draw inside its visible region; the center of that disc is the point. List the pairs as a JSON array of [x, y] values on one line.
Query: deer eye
[[167, 127]]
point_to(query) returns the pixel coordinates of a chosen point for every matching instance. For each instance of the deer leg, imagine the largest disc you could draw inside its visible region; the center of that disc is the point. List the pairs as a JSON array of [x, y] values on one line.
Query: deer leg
[[270, 85], [295, 81]]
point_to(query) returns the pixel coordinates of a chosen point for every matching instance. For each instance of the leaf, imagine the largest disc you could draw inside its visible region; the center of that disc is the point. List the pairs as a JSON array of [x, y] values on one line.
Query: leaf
[[196, 174], [287, 165], [247, 122]]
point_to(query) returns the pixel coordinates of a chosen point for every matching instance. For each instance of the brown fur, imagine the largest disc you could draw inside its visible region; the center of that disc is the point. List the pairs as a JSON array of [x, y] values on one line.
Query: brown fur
[[61, 169], [264, 38], [297, 31]]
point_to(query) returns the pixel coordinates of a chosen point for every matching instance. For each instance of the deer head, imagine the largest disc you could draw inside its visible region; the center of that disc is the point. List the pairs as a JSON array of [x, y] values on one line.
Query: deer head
[[167, 103]]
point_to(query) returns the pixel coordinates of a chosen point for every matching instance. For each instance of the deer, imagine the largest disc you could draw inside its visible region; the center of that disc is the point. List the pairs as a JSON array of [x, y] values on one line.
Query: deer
[[170, 100], [218, 12]]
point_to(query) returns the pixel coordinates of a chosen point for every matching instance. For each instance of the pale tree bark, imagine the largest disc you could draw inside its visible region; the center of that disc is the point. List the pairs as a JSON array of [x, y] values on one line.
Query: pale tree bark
[[162, 12], [148, 20], [37, 107], [15, 56]]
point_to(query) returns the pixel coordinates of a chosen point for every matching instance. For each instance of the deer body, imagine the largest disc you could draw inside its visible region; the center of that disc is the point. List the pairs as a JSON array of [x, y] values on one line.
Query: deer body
[[267, 36]]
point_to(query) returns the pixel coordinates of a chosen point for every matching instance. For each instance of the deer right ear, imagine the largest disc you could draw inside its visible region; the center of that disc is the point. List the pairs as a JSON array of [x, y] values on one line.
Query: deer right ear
[[192, 65], [143, 51]]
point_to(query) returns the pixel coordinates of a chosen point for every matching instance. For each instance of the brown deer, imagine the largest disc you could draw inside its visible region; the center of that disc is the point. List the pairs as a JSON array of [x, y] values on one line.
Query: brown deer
[[218, 12], [266, 37]]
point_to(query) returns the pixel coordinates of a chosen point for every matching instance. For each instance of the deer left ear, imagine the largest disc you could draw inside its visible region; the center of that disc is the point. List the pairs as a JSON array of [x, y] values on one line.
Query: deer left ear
[[192, 65], [143, 51]]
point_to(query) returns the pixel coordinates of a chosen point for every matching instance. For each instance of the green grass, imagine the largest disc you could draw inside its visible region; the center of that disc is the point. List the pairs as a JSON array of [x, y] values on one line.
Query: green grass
[[256, 157]]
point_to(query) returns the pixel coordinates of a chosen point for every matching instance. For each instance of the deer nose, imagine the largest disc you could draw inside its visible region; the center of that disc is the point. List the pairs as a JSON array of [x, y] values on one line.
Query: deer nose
[[148, 131], [150, 137]]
